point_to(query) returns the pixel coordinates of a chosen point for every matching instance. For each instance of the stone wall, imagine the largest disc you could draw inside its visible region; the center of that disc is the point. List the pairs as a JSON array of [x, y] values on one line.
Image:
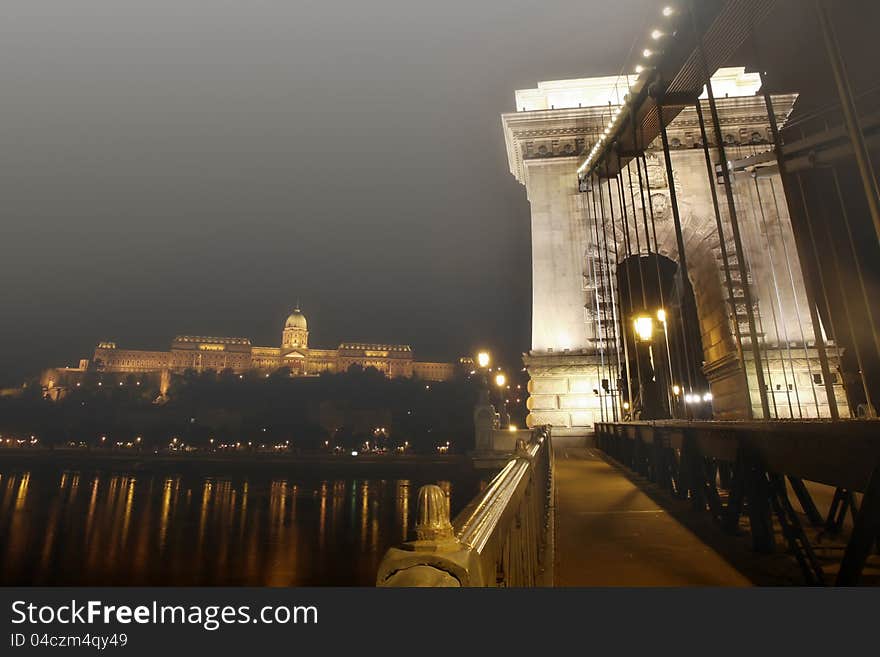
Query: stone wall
[[565, 390]]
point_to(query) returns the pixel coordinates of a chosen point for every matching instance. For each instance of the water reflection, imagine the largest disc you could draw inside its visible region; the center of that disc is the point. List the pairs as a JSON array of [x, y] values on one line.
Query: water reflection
[[167, 529]]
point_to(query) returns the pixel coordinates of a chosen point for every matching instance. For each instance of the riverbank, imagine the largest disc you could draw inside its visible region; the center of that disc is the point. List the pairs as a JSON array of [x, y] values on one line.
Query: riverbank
[[371, 465]]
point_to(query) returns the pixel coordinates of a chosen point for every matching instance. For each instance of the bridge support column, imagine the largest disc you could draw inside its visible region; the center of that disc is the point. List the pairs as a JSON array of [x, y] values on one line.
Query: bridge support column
[[564, 366], [566, 391]]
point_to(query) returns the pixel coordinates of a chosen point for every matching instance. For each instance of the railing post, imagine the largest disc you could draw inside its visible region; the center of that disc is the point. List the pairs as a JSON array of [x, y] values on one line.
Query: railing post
[[436, 558], [434, 523], [502, 538]]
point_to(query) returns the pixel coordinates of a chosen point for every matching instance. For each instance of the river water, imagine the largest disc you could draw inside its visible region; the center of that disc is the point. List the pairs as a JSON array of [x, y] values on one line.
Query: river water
[[89, 528]]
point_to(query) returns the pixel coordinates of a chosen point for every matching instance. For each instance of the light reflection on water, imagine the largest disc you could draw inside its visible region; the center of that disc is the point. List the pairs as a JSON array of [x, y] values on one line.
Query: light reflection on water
[[87, 528]]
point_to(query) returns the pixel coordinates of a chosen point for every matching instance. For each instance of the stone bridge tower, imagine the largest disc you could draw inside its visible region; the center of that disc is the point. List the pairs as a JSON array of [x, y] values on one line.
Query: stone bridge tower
[[553, 125]]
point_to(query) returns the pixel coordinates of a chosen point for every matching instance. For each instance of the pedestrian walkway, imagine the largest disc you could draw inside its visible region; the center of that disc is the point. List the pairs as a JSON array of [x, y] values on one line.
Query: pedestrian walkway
[[609, 532]]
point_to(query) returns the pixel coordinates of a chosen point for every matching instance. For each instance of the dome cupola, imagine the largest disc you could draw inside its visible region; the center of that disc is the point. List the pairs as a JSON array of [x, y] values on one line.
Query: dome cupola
[[296, 320], [296, 331]]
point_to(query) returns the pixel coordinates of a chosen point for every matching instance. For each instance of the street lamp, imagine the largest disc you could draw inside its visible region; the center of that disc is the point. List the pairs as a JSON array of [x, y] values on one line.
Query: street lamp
[[500, 381], [644, 328], [483, 361], [485, 396]]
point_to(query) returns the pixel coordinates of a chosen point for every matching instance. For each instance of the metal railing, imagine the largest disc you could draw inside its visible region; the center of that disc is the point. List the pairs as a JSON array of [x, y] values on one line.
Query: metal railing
[[502, 538], [746, 469]]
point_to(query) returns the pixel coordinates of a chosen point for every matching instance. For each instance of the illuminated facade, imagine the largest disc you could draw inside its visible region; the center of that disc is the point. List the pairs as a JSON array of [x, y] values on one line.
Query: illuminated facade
[[201, 353]]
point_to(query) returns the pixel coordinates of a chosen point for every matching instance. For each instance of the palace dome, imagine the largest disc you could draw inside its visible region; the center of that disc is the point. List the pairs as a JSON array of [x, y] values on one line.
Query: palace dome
[[296, 320]]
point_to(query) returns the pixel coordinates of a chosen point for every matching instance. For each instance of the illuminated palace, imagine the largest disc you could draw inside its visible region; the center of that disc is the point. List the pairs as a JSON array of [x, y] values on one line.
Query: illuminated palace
[[201, 353]]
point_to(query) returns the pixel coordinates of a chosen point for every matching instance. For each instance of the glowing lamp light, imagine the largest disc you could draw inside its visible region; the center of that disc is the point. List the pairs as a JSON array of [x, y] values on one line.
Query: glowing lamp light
[[661, 316], [500, 380], [668, 11], [647, 52], [626, 406], [483, 359], [676, 390], [512, 428], [639, 68], [707, 397], [656, 34], [644, 327]]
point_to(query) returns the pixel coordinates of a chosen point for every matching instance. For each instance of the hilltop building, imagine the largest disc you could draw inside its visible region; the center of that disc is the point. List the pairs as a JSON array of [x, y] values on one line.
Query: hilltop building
[[202, 353]]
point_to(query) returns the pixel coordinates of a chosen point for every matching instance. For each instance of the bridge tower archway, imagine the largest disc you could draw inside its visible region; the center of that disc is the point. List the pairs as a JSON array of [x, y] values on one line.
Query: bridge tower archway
[[664, 352], [717, 280]]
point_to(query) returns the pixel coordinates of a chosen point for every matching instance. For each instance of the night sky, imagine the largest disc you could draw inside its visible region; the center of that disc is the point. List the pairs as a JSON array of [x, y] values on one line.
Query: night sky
[[198, 166]]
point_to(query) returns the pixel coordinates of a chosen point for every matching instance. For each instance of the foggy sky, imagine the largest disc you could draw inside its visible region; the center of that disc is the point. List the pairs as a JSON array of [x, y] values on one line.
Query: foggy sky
[[198, 166]]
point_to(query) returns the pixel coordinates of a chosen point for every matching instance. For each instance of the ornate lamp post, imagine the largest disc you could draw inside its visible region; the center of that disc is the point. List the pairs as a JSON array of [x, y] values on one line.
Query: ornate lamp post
[[643, 326], [670, 395], [483, 360], [500, 381], [485, 399]]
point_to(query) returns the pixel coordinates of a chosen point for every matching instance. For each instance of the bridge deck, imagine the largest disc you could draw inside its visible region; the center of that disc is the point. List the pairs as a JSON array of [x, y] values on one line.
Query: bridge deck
[[610, 532]]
